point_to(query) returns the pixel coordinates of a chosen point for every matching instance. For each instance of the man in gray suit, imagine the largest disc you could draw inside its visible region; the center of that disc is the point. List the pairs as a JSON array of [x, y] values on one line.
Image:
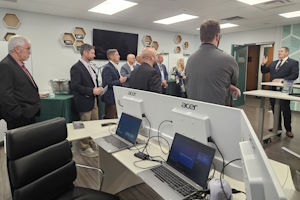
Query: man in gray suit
[[211, 74], [127, 68]]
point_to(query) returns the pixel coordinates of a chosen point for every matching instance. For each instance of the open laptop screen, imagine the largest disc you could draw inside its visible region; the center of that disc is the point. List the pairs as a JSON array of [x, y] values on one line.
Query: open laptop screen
[[191, 158], [128, 127]]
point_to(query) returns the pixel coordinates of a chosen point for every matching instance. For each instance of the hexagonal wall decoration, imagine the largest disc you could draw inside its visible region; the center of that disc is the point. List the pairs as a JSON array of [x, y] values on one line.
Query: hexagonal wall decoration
[[8, 35], [79, 33], [68, 39], [11, 20], [78, 44]]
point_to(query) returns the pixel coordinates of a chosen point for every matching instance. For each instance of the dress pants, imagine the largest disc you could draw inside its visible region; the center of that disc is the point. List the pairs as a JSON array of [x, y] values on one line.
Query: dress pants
[[286, 110]]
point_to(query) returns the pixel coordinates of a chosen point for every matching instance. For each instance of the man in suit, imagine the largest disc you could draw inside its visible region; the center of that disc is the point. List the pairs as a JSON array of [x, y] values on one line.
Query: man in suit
[[162, 70], [127, 68], [284, 68], [84, 86], [111, 77], [145, 77], [19, 96], [138, 61], [211, 75]]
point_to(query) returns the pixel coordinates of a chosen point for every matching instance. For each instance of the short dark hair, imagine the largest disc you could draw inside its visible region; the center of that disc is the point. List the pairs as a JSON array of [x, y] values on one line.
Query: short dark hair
[[110, 52], [286, 49], [86, 47], [208, 30]]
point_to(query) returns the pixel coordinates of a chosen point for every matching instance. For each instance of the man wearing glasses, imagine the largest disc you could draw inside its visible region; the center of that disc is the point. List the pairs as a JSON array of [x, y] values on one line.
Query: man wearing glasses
[[19, 96]]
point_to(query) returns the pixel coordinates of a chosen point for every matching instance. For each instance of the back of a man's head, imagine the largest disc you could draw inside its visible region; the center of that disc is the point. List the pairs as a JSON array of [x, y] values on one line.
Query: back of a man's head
[[209, 30], [148, 54]]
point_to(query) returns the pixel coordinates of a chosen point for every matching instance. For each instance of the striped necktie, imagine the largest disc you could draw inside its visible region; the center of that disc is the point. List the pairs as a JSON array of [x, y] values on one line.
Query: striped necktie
[[278, 65], [27, 73]]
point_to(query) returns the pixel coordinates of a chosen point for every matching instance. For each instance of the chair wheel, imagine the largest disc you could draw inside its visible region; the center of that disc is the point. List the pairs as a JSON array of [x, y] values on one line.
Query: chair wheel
[[267, 141]]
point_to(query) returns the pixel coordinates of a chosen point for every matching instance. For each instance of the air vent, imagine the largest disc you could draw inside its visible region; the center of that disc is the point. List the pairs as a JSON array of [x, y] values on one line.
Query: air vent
[[275, 4], [233, 18]]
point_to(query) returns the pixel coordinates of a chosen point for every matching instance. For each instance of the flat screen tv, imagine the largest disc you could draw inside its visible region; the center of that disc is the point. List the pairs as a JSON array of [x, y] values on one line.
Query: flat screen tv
[[103, 40]]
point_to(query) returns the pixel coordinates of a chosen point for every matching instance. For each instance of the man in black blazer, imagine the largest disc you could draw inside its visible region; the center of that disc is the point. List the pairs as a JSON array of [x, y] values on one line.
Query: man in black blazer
[[19, 96], [146, 77], [110, 77], [284, 68], [84, 86]]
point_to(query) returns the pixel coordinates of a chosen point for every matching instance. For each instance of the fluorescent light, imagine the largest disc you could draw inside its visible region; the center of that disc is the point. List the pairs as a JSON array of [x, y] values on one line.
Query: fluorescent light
[[175, 19], [291, 14], [226, 25], [253, 2], [110, 7]]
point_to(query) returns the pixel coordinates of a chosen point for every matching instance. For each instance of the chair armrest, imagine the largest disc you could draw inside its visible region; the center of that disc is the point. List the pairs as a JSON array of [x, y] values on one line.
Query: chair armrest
[[94, 168]]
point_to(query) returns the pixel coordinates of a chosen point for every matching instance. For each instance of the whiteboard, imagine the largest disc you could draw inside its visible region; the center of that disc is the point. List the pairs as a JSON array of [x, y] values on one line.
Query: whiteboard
[[4, 52]]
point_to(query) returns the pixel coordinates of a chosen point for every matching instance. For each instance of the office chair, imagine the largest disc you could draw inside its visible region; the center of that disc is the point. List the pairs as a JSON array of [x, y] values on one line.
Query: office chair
[[40, 164]]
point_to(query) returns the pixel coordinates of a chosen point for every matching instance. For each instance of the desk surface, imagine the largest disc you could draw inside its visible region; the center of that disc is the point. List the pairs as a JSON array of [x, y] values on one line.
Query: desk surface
[[278, 84], [94, 130], [272, 94]]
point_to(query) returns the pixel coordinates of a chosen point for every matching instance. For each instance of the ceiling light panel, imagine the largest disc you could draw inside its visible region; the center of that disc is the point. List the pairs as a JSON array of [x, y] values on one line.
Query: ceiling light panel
[[110, 7], [176, 19]]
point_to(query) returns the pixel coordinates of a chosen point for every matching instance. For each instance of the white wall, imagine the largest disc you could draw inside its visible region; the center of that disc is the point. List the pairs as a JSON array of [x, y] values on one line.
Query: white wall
[[250, 37], [51, 59]]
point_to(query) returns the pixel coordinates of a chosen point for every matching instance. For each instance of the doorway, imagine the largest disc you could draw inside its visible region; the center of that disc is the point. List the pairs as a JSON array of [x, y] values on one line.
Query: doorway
[[252, 67]]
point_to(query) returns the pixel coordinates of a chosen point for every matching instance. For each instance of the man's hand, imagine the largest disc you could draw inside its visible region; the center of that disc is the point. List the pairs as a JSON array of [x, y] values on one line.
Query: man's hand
[[123, 79], [164, 83], [97, 91], [265, 60], [43, 95], [236, 91]]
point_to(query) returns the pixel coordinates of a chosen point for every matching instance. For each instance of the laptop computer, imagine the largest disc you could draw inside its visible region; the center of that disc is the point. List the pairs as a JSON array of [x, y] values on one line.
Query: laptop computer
[[185, 171], [125, 137]]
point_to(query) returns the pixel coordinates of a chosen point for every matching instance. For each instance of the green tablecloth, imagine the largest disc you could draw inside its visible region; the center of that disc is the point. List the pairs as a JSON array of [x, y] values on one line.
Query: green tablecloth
[[59, 106]]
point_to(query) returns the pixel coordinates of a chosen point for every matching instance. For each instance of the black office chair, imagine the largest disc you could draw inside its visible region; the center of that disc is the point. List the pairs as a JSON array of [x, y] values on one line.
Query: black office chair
[[40, 165]]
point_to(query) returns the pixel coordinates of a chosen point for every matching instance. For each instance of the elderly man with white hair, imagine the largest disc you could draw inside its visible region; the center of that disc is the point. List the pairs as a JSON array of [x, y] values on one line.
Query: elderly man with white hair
[[19, 96]]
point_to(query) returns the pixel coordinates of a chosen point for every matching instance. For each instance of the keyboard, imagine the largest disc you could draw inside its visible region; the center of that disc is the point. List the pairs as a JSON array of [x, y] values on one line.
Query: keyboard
[[174, 181], [115, 142]]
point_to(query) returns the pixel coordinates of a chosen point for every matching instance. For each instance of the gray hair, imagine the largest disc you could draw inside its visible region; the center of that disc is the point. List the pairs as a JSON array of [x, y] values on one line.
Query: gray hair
[[110, 52], [86, 47], [16, 41]]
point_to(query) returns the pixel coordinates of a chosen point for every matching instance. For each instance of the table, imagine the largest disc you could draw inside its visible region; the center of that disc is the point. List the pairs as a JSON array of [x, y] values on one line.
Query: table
[[121, 173], [277, 96], [275, 84], [58, 106]]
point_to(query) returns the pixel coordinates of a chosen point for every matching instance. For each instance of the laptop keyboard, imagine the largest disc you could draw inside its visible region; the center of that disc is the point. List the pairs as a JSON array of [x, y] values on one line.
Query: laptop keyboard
[[174, 181], [115, 142]]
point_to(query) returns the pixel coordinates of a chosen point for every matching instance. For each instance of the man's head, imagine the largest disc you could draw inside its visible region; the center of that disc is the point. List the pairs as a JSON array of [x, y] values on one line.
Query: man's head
[[87, 52], [160, 59], [131, 59], [210, 32], [113, 55], [149, 55], [19, 48], [139, 59], [283, 52]]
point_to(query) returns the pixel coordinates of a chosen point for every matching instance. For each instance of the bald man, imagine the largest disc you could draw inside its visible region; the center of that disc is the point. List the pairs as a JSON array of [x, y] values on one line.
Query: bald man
[[138, 61], [127, 68], [145, 77]]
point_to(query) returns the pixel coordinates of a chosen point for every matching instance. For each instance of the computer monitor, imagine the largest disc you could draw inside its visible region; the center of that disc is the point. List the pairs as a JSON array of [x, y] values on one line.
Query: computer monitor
[[260, 181], [194, 119]]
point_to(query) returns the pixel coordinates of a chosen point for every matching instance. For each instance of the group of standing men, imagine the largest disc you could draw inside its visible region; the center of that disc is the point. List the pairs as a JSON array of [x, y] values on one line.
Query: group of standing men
[[211, 76]]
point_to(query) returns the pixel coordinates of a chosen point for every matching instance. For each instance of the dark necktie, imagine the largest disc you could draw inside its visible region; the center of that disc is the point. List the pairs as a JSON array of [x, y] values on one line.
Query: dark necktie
[[27, 73]]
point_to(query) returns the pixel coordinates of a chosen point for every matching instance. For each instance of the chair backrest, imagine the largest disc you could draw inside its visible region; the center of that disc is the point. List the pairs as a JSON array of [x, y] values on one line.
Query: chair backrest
[[39, 160]]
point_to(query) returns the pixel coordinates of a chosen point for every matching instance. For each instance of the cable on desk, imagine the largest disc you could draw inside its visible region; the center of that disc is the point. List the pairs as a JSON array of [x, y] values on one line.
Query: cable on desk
[[211, 140], [213, 175], [158, 134], [222, 172]]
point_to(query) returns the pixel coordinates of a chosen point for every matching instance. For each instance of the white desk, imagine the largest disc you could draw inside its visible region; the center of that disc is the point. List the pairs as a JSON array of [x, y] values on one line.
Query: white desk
[[120, 172], [270, 94], [275, 84]]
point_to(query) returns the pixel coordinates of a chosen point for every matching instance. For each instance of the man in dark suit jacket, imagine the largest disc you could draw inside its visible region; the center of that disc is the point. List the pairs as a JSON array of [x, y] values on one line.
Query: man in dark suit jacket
[[84, 85], [145, 77], [162, 71], [111, 77], [284, 68], [127, 68], [19, 96]]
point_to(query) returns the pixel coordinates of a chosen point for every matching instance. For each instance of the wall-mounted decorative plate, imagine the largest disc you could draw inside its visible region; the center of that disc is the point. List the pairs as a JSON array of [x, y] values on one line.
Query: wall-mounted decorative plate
[[185, 45], [155, 45], [147, 40], [177, 39], [177, 49]]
